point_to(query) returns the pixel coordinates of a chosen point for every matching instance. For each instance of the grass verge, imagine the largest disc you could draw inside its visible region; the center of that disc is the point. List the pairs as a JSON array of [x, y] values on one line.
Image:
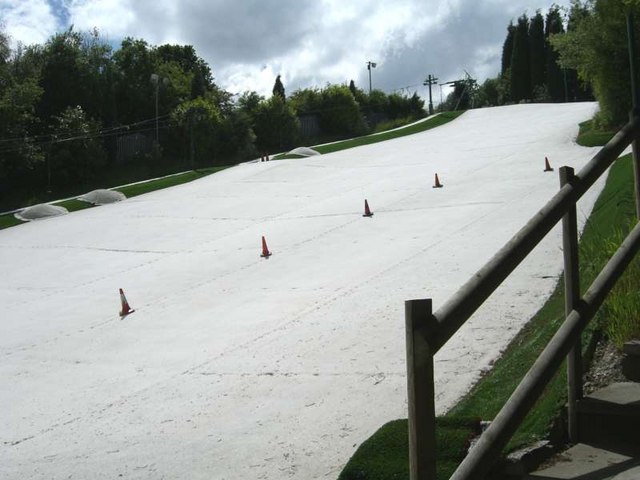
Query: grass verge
[[72, 205], [428, 124], [612, 218], [590, 136]]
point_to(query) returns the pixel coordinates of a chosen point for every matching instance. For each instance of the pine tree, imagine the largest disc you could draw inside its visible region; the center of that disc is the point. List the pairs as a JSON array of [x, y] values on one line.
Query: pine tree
[[507, 49], [553, 73], [352, 88], [520, 62], [537, 51], [278, 88]]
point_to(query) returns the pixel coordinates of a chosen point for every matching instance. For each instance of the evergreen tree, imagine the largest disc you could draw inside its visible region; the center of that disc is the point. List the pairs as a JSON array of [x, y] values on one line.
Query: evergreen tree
[[278, 88], [520, 62], [553, 73], [507, 49], [537, 51], [352, 88]]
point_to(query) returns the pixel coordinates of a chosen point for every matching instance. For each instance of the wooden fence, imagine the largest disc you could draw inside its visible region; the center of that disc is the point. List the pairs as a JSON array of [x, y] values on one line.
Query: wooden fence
[[427, 331]]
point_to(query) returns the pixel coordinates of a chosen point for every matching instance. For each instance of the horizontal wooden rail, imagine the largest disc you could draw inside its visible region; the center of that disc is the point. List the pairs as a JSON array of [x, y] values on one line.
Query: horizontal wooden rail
[[457, 310], [483, 455]]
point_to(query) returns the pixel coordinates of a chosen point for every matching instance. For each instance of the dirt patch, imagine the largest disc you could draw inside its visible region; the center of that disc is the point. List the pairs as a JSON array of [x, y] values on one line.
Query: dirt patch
[[606, 367]]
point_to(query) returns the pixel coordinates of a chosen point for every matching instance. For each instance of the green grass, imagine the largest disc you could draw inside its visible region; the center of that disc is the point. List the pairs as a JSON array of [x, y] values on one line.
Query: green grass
[[428, 124], [614, 212], [384, 455], [73, 204], [590, 136], [171, 181]]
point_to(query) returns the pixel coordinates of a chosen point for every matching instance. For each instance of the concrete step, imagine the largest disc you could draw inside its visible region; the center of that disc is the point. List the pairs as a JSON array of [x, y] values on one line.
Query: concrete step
[[611, 415], [588, 462]]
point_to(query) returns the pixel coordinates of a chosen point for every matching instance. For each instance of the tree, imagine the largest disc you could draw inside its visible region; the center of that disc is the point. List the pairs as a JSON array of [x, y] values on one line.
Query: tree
[[199, 119], [77, 151], [61, 76], [507, 49], [135, 62], [339, 113], [595, 47], [554, 76], [275, 125], [520, 62], [537, 51], [278, 88], [488, 93], [352, 88]]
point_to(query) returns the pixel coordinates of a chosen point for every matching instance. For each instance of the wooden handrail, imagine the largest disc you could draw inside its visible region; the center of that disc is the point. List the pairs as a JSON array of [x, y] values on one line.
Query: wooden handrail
[[427, 332]]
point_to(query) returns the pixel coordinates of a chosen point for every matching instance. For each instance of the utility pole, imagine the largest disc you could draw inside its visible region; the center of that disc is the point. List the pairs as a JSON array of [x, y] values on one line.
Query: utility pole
[[370, 65], [431, 80]]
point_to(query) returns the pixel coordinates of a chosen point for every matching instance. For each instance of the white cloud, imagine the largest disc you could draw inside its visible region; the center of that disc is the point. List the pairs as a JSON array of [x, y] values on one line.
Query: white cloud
[[113, 18], [309, 42], [28, 22]]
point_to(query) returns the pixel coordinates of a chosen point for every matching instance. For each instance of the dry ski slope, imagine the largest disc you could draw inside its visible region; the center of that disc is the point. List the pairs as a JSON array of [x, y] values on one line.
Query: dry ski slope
[[237, 367]]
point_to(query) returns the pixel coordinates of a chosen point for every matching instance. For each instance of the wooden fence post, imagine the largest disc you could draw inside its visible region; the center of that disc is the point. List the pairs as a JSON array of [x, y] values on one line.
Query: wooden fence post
[[421, 395], [635, 110], [571, 299]]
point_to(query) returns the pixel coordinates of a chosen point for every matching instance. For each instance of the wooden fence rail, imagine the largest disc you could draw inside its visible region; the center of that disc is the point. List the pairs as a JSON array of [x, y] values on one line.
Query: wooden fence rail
[[427, 332]]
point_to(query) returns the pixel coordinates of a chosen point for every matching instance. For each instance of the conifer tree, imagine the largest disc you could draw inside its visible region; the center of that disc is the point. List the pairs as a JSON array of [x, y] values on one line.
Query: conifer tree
[[352, 88], [278, 88], [507, 49], [553, 73], [537, 50], [520, 62]]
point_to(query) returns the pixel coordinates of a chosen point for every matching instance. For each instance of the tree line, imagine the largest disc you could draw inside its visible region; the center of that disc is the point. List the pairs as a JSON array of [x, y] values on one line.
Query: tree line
[[77, 114], [530, 70]]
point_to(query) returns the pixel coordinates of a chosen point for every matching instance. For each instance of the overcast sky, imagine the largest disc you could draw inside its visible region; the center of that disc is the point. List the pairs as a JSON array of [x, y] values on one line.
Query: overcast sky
[[309, 42]]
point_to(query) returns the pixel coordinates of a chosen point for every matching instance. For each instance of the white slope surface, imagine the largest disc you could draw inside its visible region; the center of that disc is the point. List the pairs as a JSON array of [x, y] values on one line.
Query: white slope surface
[[237, 367]]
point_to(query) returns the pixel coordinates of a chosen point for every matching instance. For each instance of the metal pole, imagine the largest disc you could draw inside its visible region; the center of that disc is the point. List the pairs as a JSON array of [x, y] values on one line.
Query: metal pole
[[635, 111], [369, 68], [421, 393], [430, 99], [571, 299], [157, 130]]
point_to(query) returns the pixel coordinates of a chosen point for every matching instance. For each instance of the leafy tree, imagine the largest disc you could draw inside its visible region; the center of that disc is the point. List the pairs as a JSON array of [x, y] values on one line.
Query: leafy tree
[[77, 152], [249, 102], [61, 76], [278, 88], [199, 120], [520, 62], [488, 93], [595, 47], [537, 51], [19, 150], [275, 125], [340, 114], [135, 62]]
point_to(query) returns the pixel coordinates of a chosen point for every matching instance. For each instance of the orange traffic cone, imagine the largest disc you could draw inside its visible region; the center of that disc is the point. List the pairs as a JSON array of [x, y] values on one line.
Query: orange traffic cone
[[265, 251], [437, 182], [367, 212], [547, 167], [126, 309]]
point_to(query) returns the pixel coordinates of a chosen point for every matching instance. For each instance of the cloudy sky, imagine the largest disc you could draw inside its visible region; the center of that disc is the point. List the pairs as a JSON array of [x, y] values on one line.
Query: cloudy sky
[[309, 42]]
